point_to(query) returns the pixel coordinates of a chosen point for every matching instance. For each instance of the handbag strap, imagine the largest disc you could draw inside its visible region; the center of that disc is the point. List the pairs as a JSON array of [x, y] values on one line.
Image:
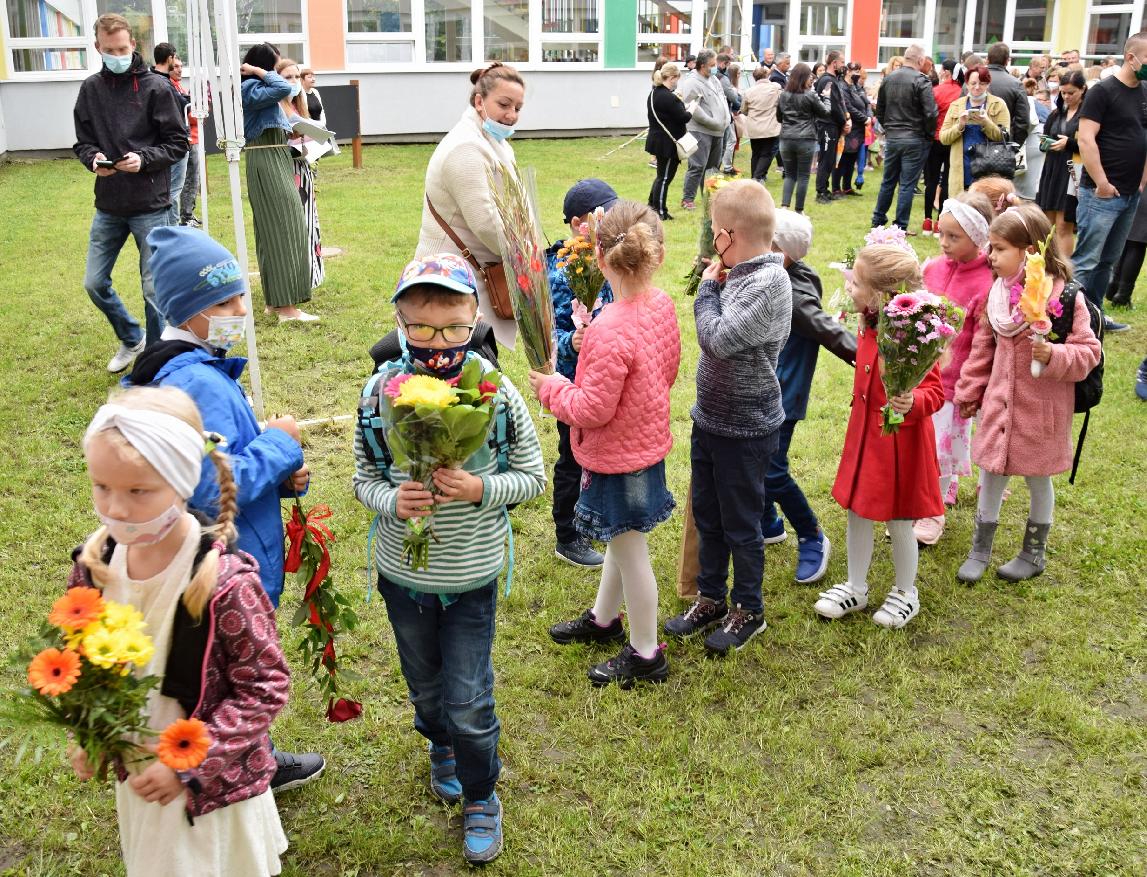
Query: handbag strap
[[658, 118], [462, 248]]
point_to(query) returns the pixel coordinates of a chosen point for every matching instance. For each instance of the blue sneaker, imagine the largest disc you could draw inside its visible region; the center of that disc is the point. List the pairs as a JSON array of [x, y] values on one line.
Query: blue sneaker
[[482, 830], [775, 532], [812, 558], [1141, 381], [444, 775]]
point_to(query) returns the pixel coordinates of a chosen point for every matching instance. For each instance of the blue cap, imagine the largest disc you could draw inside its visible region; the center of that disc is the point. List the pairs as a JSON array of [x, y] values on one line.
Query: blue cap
[[191, 271], [585, 196], [446, 270]]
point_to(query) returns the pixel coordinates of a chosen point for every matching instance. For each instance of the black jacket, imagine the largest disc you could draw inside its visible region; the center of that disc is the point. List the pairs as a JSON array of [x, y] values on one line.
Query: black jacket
[[673, 115], [799, 114], [1011, 91], [857, 104], [836, 109], [781, 79], [905, 106], [137, 111]]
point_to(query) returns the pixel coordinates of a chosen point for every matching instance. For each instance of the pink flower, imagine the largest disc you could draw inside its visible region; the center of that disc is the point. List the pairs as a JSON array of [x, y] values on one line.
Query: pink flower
[[1014, 293], [945, 330], [394, 385], [1041, 327], [921, 327], [905, 303], [1055, 307], [912, 348]]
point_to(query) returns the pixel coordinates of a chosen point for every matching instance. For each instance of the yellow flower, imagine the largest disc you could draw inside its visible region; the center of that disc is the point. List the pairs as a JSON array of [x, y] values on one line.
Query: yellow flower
[[137, 648], [1037, 289], [580, 269], [425, 390], [103, 647], [120, 616]]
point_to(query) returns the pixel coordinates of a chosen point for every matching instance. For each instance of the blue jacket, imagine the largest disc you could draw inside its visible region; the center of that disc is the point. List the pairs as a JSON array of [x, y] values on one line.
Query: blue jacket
[[563, 298], [260, 461], [261, 108]]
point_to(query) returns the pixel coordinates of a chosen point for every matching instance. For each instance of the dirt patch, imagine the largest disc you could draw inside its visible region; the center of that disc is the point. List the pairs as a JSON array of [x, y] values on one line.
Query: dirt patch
[[1040, 750]]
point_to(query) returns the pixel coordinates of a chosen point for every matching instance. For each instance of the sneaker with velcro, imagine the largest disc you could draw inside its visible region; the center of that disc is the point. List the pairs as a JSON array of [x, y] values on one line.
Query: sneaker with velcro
[[444, 781], [840, 600], [482, 830], [898, 609]]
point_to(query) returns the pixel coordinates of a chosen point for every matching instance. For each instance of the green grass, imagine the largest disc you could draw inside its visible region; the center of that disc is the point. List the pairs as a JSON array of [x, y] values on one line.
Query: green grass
[[1003, 732]]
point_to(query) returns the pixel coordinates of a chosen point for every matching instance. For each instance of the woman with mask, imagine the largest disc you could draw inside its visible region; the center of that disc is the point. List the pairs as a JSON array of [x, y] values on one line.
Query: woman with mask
[[1062, 166], [458, 209], [859, 111], [296, 108], [971, 120]]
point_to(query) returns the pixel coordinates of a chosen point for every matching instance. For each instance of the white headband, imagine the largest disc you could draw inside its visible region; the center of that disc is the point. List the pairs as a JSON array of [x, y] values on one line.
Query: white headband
[[170, 445], [970, 219]]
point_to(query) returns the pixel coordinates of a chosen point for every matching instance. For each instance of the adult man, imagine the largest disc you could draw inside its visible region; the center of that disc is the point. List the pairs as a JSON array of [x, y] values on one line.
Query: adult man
[[780, 74], [166, 60], [1070, 56], [831, 91], [129, 132], [1114, 148], [768, 58], [186, 198], [906, 110], [1010, 90], [710, 119], [936, 170], [733, 98]]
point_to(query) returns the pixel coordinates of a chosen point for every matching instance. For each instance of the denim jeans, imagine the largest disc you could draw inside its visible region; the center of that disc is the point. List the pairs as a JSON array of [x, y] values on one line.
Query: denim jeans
[[178, 177], [567, 487], [728, 503], [445, 658], [797, 156], [1103, 224], [108, 235], [781, 487], [707, 157], [903, 162], [861, 164], [190, 186]]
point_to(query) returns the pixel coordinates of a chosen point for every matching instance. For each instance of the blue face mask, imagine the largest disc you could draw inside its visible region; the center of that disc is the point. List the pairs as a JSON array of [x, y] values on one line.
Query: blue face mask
[[117, 63], [296, 89], [497, 130]]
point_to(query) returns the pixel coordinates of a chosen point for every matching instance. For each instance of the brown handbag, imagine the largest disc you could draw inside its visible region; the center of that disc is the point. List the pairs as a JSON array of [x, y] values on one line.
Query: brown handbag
[[493, 274]]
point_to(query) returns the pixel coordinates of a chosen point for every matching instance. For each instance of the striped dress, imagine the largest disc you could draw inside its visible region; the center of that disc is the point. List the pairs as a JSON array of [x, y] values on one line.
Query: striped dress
[[305, 181], [280, 228]]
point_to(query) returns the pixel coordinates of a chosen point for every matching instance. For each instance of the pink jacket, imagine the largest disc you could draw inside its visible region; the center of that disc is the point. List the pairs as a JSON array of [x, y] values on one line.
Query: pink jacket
[[1025, 422], [618, 403], [967, 284]]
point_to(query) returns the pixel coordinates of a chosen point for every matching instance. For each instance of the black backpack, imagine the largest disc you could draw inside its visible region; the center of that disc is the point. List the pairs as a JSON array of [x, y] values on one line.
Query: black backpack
[[1089, 391]]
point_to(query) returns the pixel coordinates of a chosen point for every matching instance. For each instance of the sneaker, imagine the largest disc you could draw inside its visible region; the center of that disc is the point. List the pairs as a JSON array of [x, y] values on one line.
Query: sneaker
[[1141, 381], [929, 530], [293, 770], [125, 356], [688, 205], [812, 558], [824, 198], [1109, 326], [482, 830], [775, 534], [703, 615], [739, 627], [859, 185], [837, 194], [898, 609], [926, 229], [839, 600], [444, 774], [629, 668], [585, 629], [580, 553]]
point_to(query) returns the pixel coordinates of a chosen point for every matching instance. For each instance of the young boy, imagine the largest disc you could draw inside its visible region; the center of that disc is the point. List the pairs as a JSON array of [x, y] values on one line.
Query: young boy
[[742, 323], [443, 616], [199, 292], [583, 198]]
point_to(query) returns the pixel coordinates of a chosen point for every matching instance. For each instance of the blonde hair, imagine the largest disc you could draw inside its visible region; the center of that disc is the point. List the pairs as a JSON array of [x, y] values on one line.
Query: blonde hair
[[169, 400], [667, 70], [1027, 226], [632, 240], [885, 270], [299, 101], [750, 206], [998, 189]]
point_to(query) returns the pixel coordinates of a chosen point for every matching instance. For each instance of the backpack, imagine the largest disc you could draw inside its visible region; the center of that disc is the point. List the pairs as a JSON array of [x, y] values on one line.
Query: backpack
[[1089, 391]]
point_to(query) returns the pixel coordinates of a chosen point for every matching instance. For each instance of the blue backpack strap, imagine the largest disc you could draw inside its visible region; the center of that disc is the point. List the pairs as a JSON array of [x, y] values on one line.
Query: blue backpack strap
[[510, 552], [505, 434], [370, 421]]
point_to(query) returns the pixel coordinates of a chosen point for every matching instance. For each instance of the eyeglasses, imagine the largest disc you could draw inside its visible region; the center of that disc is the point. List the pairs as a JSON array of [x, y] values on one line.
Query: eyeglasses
[[421, 332]]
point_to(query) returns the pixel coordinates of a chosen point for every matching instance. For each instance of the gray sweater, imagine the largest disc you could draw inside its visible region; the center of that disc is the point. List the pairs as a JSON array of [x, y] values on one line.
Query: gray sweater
[[742, 325], [712, 114]]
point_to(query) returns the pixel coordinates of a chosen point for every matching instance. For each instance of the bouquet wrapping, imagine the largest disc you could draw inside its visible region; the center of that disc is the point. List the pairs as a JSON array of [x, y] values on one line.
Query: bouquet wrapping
[[706, 249], [1033, 300], [578, 261]]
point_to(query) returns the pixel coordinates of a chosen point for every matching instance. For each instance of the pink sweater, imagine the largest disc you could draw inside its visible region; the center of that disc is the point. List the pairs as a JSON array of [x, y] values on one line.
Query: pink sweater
[[618, 403], [967, 284]]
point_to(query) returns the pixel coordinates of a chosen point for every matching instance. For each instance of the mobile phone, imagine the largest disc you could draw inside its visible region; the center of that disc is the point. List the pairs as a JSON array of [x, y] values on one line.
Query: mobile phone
[[107, 163]]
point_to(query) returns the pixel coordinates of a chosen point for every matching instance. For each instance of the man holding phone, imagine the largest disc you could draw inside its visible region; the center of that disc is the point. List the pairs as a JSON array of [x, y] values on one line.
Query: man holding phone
[[130, 130]]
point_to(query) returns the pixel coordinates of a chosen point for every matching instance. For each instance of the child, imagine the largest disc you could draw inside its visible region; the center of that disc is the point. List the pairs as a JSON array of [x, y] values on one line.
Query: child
[[144, 452], [1000, 192], [884, 478], [581, 200], [199, 291], [742, 324], [619, 405], [962, 274], [1025, 421], [443, 616]]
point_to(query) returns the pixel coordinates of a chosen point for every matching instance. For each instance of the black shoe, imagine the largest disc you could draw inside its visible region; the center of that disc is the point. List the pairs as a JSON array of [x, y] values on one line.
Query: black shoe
[[1111, 327], [739, 627], [296, 770], [584, 629], [824, 198], [629, 668], [853, 193], [859, 185], [917, 191], [837, 195], [1120, 297], [703, 615], [580, 553], [666, 216]]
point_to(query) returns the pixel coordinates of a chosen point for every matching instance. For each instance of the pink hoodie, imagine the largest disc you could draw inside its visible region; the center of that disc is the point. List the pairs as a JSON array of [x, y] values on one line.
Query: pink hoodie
[[967, 284]]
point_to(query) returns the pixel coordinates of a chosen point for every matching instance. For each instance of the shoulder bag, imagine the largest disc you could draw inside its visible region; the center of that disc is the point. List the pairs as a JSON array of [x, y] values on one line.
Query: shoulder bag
[[995, 158], [686, 145], [493, 274]]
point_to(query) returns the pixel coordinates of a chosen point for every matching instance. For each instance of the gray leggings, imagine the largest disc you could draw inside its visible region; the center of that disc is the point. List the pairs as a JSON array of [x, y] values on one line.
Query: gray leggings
[[797, 157]]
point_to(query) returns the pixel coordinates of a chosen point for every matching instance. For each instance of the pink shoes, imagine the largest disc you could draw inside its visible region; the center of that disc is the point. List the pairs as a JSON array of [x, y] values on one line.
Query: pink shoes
[[929, 530]]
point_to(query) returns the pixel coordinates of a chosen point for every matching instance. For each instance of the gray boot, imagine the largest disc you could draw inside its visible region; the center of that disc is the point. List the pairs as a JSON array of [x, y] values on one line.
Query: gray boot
[[980, 556], [1030, 562]]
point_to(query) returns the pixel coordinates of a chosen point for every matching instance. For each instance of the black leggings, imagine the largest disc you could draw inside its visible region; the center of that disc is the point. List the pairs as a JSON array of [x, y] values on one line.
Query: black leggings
[[666, 171], [936, 176], [764, 149], [842, 176]]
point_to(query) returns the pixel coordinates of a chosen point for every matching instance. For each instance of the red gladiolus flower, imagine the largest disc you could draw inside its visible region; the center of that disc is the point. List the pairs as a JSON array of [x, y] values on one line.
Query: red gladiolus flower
[[524, 282], [343, 710]]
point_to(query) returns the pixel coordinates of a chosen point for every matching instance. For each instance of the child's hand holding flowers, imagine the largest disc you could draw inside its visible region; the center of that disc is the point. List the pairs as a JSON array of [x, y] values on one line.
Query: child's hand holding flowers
[[903, 403], [157, 784], [457, 484], [1041, 350]]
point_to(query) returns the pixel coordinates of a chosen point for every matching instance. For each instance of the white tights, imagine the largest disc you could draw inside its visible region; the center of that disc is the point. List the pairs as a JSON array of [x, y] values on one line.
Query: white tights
[[992, 497], [627, 572], [905, 553]]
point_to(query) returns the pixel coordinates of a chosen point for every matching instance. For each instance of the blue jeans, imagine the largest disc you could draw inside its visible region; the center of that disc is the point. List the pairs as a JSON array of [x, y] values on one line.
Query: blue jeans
[[861, 163], [903, 163], [108, 235], [178, 178], [707, 157], [445, 658], [1103, 224], [780, 487]]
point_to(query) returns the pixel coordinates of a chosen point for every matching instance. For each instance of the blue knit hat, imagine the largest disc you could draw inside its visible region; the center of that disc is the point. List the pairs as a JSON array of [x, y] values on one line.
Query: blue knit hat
[[191, 271]]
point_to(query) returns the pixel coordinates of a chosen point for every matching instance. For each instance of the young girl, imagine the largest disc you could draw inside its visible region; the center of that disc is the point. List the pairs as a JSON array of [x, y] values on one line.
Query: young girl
[[1025, 421], [295, 107], [618, 408], [144, 452], [884, 478], [1001, 192], [962, 274]]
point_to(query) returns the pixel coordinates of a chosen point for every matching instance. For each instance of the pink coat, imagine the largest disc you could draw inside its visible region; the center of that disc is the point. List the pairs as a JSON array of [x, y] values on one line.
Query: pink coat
[[966, 284], [618, 404], [1025, 422]]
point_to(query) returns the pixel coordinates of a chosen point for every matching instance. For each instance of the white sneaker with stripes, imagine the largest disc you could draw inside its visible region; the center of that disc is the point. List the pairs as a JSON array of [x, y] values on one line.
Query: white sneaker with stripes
[[840, 600]]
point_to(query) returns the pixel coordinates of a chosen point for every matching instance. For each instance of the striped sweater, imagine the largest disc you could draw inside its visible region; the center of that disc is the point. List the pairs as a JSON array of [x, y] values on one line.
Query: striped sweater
[[469, 551]]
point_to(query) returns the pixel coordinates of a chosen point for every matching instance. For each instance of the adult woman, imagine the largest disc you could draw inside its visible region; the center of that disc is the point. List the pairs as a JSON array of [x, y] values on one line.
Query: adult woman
[[295, 107], [667, 117], [971, 120], [456, 182], [762, 127], [1059, 180], [894, 64], [859, 111], [280, 229], [315, 107], [798, 110]]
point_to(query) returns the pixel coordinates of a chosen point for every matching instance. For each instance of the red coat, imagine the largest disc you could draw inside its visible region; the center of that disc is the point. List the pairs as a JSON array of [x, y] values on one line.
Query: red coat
[[889, 477]]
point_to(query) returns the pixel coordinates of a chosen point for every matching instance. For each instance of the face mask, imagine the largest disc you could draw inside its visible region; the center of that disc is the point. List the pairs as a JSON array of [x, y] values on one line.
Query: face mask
[[497, 130], [444, 362], [117, 63], [223, 333], [721, 253], [296, 89], [1141, 73], [1053, 86], [145, 532], [856, 78]]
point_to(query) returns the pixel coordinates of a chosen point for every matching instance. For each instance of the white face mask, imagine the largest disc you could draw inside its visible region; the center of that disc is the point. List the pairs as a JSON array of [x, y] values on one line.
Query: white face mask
[[223, 333], [145, 532]]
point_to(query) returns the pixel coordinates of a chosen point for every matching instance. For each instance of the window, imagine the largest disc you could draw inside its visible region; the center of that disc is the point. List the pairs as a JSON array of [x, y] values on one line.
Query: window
[[507, 27], [664, 28], [1107, 32], [724, 23], [811, 54], [770, 28], [825, 18], [902, 20], [379, 32], [378, 16], [449, 31], [991, 16], [1033, 21], [675, 52], [571, 31], [571, 51], [948, 36], [278, 22], [44, 38], [138, 14]]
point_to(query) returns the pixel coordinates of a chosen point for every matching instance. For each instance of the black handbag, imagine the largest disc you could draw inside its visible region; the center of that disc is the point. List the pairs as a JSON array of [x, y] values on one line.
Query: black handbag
[[994, 158]]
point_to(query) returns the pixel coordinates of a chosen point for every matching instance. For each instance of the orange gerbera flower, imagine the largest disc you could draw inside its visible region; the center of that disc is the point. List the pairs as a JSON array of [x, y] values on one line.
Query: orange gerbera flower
[[184, 744], [53, 672], [78, 608]]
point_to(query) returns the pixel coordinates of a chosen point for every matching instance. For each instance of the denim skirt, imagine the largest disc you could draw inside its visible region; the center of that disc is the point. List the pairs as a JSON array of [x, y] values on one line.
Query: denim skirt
[[609, 505]]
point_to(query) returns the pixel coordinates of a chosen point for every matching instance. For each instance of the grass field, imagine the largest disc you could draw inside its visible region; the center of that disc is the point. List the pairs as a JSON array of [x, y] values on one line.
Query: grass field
[[1003, 732]]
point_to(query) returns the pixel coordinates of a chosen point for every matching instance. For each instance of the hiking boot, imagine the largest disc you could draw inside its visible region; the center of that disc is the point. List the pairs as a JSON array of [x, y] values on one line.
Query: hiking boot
[[293, 771], [580, 553], [703, 615], [125, 356], [585, 629], [775, 532], [628, 668], [980, 556], [482, 830], [444, 775], [1030, 562], [812, 558], [928, 530], [839, 600], [899, 608], [740, 626]]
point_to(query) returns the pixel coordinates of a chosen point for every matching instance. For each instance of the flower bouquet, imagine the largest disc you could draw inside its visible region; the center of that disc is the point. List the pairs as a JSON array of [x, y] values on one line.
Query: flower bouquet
[[706, 249], [435, 424], [912, 331], [579, 262], [1033, 300], [840, 302]]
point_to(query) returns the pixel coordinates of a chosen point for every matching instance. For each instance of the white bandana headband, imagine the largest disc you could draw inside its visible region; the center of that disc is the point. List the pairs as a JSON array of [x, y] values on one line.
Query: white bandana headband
[[970, 219], [173, 448]]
